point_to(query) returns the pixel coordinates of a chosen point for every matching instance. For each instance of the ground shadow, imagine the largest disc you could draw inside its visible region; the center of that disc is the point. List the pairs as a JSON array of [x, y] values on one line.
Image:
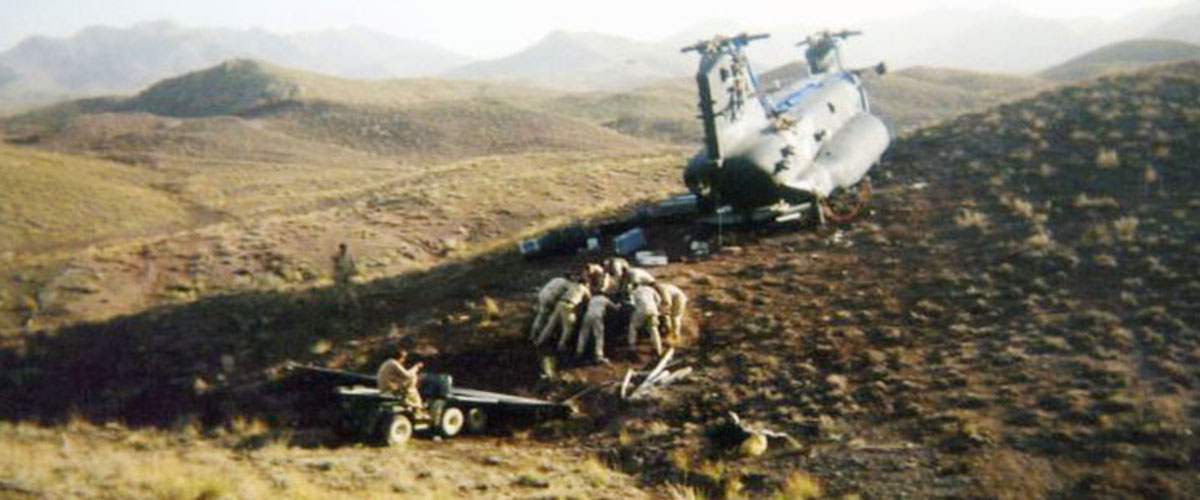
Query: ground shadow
[[212, 358]]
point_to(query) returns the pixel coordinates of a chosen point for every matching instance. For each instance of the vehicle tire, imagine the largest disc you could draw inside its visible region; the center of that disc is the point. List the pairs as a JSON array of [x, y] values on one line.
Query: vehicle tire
[[395, 430], [477, 420], [450, 422]]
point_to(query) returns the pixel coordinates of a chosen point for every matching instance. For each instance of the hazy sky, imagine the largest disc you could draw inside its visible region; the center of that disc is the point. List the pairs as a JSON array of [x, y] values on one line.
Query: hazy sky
[[484, 29]]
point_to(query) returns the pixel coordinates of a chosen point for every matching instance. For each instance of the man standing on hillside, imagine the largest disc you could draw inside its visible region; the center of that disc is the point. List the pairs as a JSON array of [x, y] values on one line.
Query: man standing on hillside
[[393, 378], [344, 271]]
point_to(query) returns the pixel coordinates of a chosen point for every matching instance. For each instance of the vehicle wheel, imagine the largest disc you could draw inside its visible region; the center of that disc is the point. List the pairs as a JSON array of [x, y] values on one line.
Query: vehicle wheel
[[450, 422], [476, 420], [396, 430]]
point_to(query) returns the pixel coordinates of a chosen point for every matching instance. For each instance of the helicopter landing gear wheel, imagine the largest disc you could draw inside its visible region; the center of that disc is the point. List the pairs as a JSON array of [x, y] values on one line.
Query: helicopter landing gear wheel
[[844, 205]]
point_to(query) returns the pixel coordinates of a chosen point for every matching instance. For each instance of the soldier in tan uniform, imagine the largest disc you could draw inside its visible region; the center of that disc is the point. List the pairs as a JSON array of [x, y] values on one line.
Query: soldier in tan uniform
[[564, 315], [546, 298], [393, 378], [593, 326], [344, 271], [597, 278], [647, 304], [633, 278], [674, 302], [616, 266]]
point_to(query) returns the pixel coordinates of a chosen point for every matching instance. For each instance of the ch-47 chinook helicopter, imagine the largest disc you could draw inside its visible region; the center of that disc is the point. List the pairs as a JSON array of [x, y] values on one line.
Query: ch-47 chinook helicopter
[[796, 149], [796, 152]]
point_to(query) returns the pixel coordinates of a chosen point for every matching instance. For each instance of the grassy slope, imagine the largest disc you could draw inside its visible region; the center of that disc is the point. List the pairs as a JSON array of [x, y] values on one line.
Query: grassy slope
[[664, 111], [1121, 57], [250, 462], [53, 199], [244, 139], [913, 97]]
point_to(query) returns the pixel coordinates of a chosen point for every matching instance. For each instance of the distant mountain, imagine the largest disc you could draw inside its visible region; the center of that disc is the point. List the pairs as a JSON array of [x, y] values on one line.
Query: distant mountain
[[104, 60], [583, 61], [1121, 56], [418, 119], [1186, 28]]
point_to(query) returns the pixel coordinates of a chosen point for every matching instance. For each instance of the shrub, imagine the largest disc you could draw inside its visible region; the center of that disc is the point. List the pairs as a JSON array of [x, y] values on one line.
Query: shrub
[[1039, 240], [1126, 228], [1107, 158], [967, 218], [1083, 201], [799, 485]]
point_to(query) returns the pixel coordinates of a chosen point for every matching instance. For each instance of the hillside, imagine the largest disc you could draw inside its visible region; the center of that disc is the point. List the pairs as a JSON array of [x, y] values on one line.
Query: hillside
[[104, 60], [913, 97], [1016, 319], [290, 130], [582, 61], [662, 111], [245, 143], [53, 199], [1122, 56]]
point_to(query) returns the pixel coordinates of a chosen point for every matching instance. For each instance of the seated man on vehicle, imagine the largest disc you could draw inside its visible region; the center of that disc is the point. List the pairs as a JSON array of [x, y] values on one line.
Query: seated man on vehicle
[[393, 378]]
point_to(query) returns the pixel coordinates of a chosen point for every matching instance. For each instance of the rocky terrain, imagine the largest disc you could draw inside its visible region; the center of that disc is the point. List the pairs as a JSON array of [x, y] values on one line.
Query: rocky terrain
[[1015, 319]]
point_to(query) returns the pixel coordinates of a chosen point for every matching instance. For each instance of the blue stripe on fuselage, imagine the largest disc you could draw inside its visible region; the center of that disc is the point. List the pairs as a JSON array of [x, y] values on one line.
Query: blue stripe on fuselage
[[809, 86]]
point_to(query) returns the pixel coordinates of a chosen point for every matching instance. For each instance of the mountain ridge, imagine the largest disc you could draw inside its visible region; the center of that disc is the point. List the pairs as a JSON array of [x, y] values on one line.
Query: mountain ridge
[[107, 60], [1120, 56]]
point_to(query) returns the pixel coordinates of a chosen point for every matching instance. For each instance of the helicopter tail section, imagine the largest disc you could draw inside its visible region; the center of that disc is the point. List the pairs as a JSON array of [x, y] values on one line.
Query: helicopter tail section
[[728, 90]]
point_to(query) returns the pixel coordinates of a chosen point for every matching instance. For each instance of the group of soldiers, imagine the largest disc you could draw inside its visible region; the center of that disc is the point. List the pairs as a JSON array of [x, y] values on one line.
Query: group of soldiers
[[600, 289]]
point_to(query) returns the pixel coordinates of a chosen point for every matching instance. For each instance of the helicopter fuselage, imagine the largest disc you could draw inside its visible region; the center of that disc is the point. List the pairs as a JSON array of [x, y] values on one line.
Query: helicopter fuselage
[[793, 144]]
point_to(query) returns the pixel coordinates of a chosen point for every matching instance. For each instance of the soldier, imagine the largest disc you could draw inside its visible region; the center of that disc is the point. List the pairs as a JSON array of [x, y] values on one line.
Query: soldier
[[633, 278], [393, 378], [616, 266], [344, 271], [597, 278], [593, 326], [674, 303], [564, 314], [647, 304], [546, 298]]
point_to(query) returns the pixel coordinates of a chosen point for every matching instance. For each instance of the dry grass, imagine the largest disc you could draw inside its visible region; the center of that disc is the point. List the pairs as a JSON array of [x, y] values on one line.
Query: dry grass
[[81, 460], [967, 219], [52, 199], [411, 222], [799, 485], [1107, 158]]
